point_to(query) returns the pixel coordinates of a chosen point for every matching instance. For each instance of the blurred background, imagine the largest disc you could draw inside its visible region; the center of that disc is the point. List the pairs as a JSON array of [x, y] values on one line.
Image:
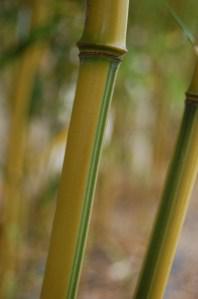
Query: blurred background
[[38, 72]]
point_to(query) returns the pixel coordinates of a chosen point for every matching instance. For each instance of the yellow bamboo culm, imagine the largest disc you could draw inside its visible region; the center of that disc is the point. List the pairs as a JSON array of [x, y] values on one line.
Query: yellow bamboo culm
[[101, 47], [175, 201], [13, 198]]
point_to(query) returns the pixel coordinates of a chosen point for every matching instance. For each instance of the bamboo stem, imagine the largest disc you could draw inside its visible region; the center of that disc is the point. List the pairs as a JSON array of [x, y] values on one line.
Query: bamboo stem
[[175, 201], [101, 46], [13, 198]]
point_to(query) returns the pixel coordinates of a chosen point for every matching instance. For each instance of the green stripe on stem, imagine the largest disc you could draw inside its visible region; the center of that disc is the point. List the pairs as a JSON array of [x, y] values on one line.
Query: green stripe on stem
[[88, 201], [172, 211]]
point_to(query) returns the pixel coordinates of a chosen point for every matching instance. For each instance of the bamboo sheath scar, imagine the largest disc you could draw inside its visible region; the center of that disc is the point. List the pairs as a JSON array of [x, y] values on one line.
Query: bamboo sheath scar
[[175, 200], [101, 48]]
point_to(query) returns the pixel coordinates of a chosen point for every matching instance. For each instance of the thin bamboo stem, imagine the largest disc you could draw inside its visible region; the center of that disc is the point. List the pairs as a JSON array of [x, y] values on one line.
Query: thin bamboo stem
[[101, 46], [13, 199], [175, 201]]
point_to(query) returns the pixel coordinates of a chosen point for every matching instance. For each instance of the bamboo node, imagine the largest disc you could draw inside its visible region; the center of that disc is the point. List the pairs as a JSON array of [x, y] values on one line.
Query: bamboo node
[[191, 98], [114, 53]]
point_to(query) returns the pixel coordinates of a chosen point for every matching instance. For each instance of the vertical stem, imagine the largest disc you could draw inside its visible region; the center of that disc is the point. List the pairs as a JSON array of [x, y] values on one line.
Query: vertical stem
[[13, 198], [175, 200], [102, 45]]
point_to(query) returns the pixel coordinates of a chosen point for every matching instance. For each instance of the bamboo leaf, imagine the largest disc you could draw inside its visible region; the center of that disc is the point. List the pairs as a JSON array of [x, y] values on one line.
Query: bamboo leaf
[[188, 34]]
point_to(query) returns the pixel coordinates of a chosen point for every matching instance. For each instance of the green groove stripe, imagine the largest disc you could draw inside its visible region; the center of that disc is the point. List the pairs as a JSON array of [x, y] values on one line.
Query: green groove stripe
[[168, 203], [85, 218]]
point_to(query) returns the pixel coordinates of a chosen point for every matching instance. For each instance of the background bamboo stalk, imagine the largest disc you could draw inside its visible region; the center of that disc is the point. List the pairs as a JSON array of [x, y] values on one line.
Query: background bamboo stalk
[[175, 200], [101, 46], [14, 204]]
